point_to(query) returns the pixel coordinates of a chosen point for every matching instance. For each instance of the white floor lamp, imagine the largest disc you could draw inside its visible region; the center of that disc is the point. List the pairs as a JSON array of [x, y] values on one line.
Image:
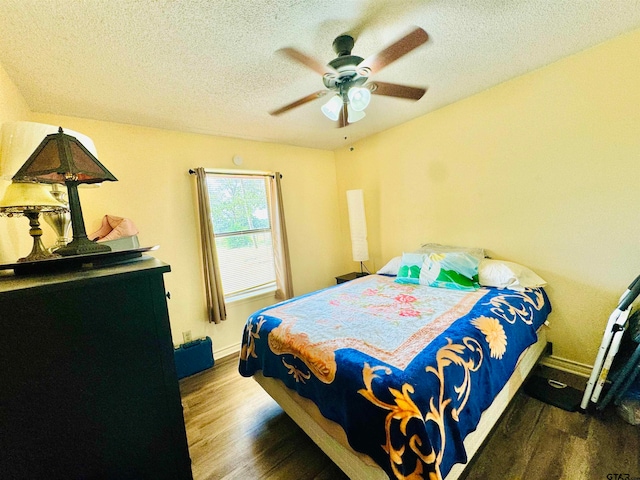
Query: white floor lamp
[[358, 228]]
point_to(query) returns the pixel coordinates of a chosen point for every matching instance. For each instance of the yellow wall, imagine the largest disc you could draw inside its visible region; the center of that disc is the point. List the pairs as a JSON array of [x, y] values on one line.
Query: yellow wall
[[13, 108], [155, 190], [542, 170]]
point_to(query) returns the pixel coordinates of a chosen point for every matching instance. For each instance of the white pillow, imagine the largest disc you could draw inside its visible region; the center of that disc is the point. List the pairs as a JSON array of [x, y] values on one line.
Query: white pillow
[[391, 268], [503, 274]]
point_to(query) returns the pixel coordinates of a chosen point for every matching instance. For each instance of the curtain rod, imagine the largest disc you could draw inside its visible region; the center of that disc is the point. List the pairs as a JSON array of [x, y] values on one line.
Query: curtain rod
[[232, 172]]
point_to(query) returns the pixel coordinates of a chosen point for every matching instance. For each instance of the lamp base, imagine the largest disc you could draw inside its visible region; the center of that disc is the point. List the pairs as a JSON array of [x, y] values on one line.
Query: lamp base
[[61, 224], [82, 246], [38, 252], [364, 270]]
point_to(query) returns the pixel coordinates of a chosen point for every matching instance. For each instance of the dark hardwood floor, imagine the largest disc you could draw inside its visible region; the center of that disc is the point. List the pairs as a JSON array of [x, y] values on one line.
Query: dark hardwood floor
[[236, 431]]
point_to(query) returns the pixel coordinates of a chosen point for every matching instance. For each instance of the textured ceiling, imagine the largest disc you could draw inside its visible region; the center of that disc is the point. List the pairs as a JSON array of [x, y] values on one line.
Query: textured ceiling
[[211, 66]]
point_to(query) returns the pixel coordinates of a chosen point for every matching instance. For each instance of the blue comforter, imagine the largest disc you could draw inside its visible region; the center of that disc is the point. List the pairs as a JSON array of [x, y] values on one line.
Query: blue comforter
[[406, 370]]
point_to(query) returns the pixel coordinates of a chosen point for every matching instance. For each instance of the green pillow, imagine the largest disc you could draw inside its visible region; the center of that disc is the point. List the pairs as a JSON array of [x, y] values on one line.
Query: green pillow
[[410, 267], [455, 270]]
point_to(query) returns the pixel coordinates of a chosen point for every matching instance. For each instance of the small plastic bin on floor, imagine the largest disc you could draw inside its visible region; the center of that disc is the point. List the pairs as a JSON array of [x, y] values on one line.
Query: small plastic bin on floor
[[553, 392], [193, 357]]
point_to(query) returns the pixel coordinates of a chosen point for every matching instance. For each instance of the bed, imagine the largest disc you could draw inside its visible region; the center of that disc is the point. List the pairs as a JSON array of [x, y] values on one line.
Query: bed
[[396, 380]]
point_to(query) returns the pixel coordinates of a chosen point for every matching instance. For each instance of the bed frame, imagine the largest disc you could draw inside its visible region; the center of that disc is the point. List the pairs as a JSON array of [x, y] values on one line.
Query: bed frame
[[332, 440]]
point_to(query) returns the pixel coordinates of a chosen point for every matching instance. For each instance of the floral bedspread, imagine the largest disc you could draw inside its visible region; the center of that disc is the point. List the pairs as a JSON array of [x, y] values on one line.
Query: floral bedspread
[[406, 370]]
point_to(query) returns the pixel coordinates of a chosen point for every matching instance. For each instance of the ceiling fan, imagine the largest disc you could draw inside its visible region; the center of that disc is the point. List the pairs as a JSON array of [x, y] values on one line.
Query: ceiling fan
[[346, 77]]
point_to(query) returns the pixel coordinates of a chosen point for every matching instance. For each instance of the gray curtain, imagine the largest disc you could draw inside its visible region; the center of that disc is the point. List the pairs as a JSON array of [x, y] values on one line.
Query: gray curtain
[[216, 309], [284, 284]]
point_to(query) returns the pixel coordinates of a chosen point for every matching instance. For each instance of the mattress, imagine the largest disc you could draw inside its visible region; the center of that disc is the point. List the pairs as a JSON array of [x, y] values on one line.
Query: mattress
[[331, 438], [405, 371]]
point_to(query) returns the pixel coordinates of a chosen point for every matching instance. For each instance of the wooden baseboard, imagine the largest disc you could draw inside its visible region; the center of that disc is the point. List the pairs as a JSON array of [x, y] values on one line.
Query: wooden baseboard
[[559, 363], [225, 352]]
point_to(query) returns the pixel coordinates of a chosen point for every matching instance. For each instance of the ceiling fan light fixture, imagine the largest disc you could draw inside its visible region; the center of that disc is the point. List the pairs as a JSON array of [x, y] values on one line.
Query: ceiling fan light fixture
[[359, 98], [332, 108], [354, 115]]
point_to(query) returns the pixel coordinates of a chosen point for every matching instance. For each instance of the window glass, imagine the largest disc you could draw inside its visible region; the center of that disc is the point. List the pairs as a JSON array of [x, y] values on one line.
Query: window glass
[[242, 226]]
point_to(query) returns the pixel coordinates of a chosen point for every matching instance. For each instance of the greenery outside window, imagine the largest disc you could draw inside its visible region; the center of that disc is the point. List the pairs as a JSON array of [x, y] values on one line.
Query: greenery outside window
[[242, 226]]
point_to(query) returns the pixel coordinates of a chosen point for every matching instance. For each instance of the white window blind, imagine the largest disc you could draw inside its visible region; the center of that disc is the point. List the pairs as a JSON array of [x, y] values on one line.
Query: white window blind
[[242, 227]]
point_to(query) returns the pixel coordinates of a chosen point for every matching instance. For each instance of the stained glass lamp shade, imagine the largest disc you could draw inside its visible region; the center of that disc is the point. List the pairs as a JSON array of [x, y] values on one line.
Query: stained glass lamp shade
[[62, 158]]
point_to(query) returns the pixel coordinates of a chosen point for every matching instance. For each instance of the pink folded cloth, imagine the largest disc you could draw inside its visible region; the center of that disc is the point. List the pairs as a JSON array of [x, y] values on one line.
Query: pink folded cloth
[[113, 228]]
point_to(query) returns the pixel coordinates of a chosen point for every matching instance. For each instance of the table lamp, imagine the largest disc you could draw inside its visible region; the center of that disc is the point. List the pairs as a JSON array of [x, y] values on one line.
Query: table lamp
[[18, 140], [63, 159], [29, 200]]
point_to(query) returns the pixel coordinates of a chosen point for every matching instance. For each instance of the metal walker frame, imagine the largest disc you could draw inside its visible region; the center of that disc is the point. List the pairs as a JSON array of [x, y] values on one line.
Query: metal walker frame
[[610, 345]]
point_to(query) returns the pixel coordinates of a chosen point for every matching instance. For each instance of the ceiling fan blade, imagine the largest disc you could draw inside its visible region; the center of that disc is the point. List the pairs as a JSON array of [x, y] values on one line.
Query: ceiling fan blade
[[301, 101], [393, 52], [395, 90], [306, 60]]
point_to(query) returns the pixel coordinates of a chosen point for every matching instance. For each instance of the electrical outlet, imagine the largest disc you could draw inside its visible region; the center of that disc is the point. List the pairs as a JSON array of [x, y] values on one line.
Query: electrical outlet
[[186, 336]]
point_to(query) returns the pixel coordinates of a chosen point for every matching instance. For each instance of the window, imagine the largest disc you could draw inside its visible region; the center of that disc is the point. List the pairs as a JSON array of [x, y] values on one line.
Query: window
[[242, 227]]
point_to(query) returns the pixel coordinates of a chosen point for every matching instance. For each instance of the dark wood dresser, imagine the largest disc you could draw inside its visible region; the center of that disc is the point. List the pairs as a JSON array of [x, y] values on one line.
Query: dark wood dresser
[[88, 386]]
